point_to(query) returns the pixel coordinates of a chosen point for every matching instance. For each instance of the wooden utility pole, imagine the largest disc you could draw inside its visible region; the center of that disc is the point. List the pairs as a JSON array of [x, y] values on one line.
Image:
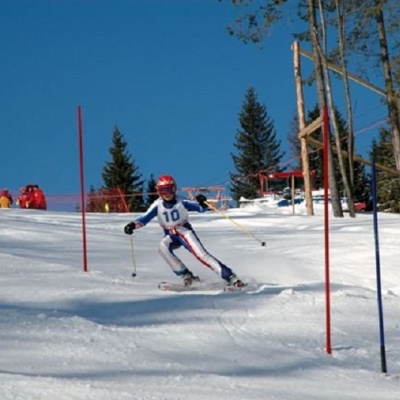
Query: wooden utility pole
[[302, 126]]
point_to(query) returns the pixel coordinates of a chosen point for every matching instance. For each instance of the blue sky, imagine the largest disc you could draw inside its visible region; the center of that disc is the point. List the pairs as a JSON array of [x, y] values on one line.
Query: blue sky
[[165, 72]]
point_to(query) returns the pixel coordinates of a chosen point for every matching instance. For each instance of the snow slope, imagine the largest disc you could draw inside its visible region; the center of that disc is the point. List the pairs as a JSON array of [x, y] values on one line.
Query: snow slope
[[71, 335]]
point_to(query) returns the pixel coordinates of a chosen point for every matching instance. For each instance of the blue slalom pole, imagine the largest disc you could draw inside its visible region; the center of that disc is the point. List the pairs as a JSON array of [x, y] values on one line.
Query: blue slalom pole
[[378, 271]]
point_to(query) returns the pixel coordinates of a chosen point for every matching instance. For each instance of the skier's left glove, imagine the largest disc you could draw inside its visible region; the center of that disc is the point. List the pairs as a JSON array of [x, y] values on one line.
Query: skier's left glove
[[202, 200], [130, 228]]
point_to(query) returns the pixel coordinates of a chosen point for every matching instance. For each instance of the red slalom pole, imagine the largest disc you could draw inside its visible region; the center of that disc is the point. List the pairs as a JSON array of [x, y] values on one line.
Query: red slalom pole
[[326, 221], [80, 139]]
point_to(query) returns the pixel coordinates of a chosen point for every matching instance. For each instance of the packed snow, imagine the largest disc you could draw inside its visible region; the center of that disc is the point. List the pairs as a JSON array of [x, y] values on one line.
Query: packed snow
[[67, 334]]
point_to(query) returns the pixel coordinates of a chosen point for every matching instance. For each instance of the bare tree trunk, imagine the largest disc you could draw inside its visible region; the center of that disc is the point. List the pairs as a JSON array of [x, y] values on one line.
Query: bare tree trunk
[[349, 110], [335, 198], [328, 87], [393, 106]]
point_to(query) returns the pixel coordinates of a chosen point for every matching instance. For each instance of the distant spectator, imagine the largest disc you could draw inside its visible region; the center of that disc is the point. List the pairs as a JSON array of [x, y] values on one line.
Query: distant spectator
[[24, 199], [39, 199], [32, 197], [6, 199]]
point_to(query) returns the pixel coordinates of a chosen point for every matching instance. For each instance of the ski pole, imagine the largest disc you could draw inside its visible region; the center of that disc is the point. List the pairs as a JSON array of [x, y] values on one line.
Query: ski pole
[[241, 227], [133, 258]]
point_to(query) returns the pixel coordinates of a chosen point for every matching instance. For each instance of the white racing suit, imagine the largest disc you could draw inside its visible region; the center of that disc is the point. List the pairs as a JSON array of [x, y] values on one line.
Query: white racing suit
[[173, 218]]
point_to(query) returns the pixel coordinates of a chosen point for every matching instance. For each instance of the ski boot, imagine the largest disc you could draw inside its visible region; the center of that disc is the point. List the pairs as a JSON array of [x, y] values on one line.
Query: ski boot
[[235, 282], [189, 278]]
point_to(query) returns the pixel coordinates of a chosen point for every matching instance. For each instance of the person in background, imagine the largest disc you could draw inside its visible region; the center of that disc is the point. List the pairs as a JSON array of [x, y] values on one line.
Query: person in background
[[6, 199], [24, 198], [31, 197], [173, 217], [39, 199]]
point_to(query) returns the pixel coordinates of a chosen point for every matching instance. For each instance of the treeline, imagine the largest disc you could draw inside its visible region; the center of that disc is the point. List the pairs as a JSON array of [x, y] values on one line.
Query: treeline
[[257, 150]]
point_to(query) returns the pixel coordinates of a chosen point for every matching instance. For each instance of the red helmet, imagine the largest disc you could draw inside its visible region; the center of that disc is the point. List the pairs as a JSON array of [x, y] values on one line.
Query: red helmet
[[164, 183]]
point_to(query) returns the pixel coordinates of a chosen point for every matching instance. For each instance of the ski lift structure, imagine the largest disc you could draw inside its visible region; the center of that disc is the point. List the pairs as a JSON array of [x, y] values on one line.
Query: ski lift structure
[[277, 183], [216, 195]]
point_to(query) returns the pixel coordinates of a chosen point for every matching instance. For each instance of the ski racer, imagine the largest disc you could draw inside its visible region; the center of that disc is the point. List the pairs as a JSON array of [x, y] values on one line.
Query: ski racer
[[173, 217]]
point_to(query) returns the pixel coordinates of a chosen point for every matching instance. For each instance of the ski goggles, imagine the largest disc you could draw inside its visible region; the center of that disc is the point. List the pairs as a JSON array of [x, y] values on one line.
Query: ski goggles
[[167, 190]]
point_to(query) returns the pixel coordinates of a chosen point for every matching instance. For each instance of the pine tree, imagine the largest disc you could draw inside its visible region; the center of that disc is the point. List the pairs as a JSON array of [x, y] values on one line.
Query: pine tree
[[388, 186], [294, 145], [257, 148], [362, 183], [151, 191], [122, 173]]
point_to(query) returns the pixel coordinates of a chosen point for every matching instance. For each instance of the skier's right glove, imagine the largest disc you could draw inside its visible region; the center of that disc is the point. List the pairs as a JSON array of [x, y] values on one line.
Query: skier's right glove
[[130, 228], [202, 200]]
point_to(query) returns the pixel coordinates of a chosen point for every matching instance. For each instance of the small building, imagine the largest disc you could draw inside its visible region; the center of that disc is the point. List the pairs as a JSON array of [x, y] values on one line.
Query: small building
[[215, 195], [280, 183]]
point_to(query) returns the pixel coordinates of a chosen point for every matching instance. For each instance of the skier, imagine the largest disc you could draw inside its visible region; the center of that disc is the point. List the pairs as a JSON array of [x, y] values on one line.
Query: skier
[[172, 214]]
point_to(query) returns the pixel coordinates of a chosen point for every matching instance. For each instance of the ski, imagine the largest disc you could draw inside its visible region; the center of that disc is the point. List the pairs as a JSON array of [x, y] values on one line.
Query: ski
[[232, 288], [199, 286], [174, 287], [179, 287]]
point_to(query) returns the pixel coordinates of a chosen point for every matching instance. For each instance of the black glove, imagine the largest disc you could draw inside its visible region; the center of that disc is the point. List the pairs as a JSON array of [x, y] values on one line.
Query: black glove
[[201, 199], [130, 228]]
